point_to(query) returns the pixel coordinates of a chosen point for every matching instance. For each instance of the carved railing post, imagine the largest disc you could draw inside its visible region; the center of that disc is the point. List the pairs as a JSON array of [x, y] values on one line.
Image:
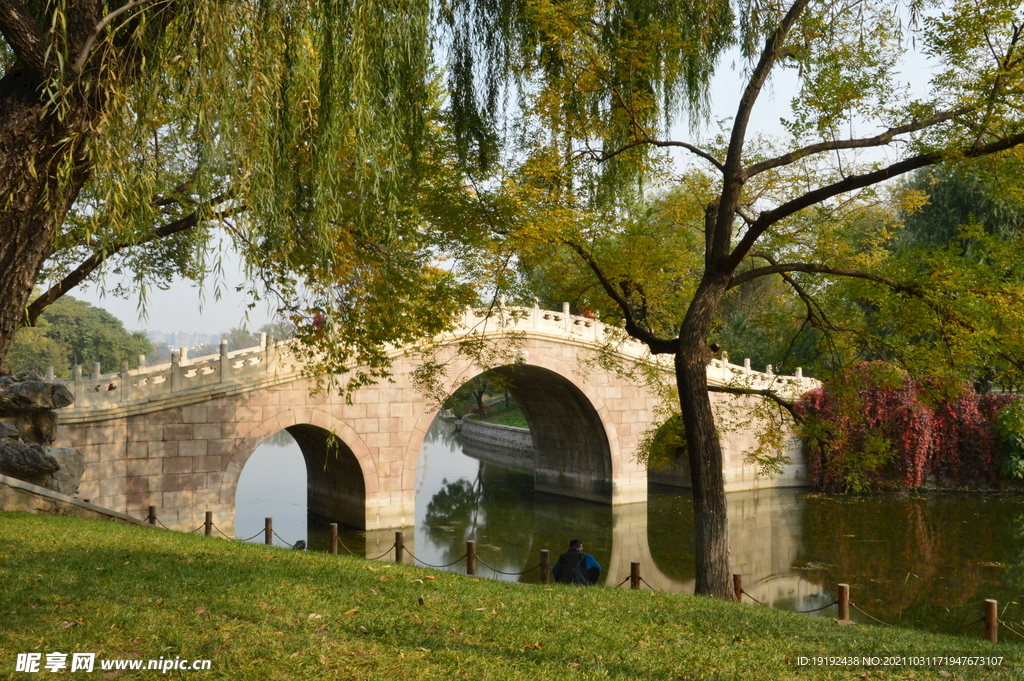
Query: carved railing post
[[95, 371], [225, 364], [175, 371], [142, 362], [126, 382], [76, 375], [49, 373]]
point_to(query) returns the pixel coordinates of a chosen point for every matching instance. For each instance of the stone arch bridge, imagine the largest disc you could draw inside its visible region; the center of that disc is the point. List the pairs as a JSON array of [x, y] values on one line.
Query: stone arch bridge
[[177, 435]]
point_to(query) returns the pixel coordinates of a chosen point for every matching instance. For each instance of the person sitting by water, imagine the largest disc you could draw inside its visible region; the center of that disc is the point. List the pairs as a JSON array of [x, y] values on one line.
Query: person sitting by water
[[576, 567]]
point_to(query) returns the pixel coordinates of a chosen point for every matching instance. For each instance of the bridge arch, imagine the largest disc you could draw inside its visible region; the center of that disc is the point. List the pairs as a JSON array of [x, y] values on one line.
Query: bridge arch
[[339, 468], [572, 427]]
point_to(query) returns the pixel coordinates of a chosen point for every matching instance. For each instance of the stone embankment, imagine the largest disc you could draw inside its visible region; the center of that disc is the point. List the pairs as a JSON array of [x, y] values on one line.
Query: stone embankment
[[494, 443]]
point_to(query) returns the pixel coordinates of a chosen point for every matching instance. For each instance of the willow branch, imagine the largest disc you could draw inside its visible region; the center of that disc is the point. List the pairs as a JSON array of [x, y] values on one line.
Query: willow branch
[[83, 54], [90, 264]]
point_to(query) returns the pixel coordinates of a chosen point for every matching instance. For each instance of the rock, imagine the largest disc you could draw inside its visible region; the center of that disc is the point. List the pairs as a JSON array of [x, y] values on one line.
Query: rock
[[33, 395], [9, 431], [72, 466], [26, 461]]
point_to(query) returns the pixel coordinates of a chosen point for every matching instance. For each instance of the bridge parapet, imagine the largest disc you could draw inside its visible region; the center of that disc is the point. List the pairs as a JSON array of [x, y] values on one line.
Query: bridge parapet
[[274, 362]]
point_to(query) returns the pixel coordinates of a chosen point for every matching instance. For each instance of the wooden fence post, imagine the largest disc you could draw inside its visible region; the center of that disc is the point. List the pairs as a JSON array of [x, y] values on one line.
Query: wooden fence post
[[208, 523], [737, 587], [992, 620], [844, 601], [152, 515], [334, 539], [268, 531], [545, 566], [470, 557], [399, 546], [634, 575]]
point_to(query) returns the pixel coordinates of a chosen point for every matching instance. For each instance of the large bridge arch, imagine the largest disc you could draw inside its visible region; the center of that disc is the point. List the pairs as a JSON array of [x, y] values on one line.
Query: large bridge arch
[[578, 428], [340, 470]]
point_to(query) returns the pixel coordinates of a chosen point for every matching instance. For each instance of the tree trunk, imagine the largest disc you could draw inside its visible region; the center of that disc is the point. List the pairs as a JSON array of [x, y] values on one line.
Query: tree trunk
[[710, 518], [32, 202]]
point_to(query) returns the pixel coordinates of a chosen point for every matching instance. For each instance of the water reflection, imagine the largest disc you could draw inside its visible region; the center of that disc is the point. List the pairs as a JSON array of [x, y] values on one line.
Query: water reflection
[[926, 561], [273, 485]]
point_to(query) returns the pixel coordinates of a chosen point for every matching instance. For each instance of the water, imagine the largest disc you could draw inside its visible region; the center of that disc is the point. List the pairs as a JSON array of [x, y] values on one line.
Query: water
[[913, 561]]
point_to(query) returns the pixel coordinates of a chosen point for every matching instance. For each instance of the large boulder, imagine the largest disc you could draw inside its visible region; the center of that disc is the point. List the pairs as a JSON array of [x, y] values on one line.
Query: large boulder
[[26, 461], [33, 395], [72, 466]]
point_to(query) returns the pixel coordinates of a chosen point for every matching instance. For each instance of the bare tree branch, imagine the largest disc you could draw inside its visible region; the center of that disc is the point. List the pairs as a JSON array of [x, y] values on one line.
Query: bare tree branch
[[657, 345], [861, 143], [770, 217], [732, 171], [766, 392], [602, 157], [817, 268]]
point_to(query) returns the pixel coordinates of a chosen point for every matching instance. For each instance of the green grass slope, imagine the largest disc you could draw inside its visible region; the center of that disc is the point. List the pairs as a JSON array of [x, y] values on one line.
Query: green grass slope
[[257, 612]]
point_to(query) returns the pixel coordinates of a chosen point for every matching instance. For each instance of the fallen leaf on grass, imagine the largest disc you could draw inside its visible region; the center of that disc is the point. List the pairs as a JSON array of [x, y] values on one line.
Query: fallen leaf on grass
[[353, 611], [364, 631], [429, 577], [203, 612], [68, 625], [314, 616], [574, 665], [383, 579], [424, 650], [538, 645], [422, 602], [413, 581]]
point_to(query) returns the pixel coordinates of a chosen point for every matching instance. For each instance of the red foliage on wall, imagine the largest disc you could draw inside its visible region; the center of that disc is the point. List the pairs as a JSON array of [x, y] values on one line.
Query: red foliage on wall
[[877, 427]]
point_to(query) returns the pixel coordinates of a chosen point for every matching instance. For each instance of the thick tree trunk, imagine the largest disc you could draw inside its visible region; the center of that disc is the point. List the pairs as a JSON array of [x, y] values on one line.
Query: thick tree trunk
[[710, 518], [32, 201]]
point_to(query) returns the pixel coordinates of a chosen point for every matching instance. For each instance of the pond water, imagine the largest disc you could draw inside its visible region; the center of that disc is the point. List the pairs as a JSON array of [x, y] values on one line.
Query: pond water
[[926, 561]]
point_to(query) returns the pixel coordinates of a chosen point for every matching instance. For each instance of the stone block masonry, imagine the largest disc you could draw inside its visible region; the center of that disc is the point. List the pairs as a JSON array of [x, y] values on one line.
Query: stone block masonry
[[181, 444]]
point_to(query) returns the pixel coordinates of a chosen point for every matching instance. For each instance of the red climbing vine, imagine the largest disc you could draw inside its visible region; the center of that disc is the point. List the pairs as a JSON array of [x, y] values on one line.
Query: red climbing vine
[[875, 427]]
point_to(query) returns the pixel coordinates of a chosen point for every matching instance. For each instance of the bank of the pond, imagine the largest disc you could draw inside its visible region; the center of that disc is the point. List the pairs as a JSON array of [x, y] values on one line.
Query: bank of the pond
[[258, 612]]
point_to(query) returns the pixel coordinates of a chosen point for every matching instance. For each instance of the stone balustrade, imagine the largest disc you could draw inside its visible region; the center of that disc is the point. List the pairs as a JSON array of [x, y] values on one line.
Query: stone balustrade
[[274, 362]]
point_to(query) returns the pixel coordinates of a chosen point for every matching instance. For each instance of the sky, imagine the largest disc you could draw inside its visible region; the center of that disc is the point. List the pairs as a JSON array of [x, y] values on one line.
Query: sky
[[184, 307]]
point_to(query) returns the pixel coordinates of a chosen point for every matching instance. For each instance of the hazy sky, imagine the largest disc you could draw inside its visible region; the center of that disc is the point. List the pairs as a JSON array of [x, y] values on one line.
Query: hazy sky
[[183, 308]]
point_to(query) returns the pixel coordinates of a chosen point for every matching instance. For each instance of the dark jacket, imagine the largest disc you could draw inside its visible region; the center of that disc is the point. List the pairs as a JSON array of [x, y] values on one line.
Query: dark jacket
[[576, 567]]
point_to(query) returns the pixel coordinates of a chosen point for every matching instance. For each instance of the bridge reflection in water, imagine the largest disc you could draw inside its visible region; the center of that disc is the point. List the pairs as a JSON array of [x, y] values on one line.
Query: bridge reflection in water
[[459, 497]]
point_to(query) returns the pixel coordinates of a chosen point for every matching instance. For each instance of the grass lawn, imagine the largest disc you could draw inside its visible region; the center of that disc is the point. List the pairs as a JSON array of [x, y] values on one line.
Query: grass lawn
[[498, 413], [257, 612]]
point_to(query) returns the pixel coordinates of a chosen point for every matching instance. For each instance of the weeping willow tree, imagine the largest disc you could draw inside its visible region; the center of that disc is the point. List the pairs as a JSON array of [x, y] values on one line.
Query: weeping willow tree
[[139, 137], [316, 135]]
